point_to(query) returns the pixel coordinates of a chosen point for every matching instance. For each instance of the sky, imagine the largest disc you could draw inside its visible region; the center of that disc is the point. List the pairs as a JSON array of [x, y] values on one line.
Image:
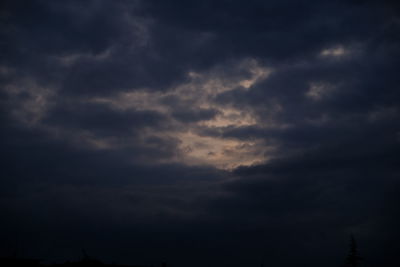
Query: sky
[[200, 133]]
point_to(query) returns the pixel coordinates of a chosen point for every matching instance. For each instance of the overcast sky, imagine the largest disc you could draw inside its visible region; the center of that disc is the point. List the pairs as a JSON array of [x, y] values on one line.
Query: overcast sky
[[200, 133]]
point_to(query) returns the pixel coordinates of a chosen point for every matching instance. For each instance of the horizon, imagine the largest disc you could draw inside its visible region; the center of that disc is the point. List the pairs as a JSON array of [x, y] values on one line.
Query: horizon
[[200, 133]]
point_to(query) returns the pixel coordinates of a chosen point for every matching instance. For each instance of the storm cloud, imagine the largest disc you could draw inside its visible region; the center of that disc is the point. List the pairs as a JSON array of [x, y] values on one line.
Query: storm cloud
[[206, 133]]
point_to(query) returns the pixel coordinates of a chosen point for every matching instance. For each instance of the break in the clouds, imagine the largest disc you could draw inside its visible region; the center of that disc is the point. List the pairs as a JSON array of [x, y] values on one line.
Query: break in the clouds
[[189, 130], [191, 109]]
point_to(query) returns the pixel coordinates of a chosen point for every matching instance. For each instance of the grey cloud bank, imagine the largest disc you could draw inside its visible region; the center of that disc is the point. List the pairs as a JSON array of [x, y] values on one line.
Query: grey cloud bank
[[202, 134]]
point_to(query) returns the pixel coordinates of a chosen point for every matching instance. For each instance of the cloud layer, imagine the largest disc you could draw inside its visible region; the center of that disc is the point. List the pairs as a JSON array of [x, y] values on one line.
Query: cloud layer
[[191, 132]]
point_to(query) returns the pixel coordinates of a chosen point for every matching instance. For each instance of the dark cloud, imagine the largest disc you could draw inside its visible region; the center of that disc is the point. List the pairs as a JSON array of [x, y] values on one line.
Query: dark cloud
[[195, 115], [119, 119], [321, 192], [102, 120]]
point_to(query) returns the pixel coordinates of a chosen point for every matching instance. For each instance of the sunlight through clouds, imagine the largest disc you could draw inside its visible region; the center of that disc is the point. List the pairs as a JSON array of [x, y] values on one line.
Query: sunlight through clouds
[[199, 94], [334, 51]]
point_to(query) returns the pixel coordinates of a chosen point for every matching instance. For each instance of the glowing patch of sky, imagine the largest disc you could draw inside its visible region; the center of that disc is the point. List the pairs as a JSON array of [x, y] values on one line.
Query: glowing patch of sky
[[199, 92]]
